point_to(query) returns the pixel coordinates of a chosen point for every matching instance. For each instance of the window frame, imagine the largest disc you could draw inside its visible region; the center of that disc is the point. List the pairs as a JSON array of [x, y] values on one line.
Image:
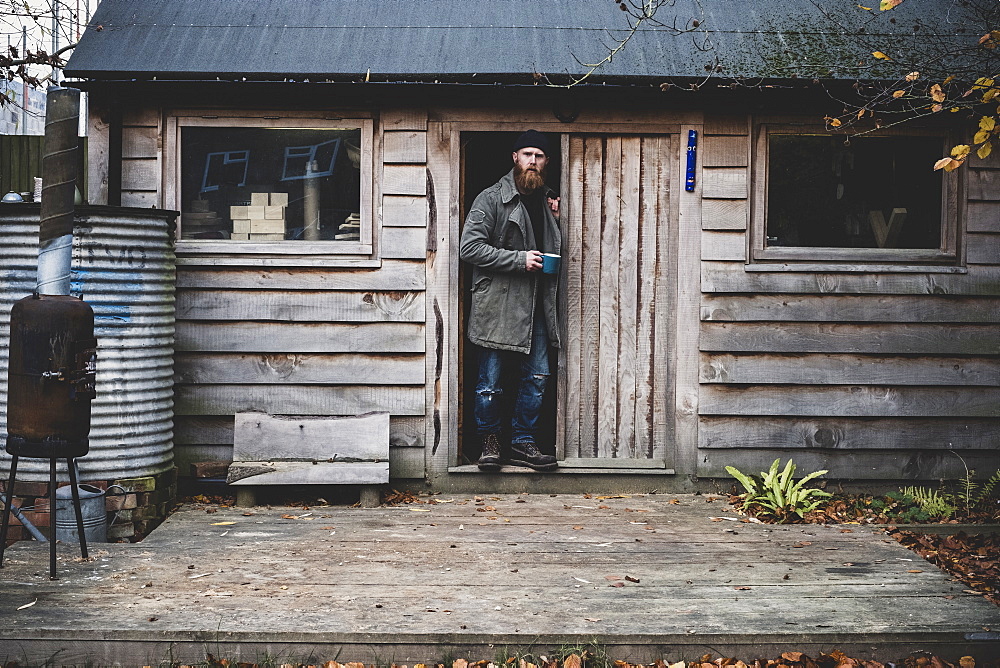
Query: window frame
[[351, 251], [762, 257]]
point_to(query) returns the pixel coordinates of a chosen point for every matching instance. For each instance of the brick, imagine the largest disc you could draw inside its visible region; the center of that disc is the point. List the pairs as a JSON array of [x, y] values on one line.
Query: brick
[[41, 505], [214, 469], [114, 502], [145, 484], [126, 515], [145, 526], [99, 484], [30, 488], [121, 531], [169, 476], [36, 518]]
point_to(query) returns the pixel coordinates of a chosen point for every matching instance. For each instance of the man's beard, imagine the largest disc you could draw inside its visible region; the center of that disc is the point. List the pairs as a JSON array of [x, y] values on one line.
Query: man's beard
[[528, 180]]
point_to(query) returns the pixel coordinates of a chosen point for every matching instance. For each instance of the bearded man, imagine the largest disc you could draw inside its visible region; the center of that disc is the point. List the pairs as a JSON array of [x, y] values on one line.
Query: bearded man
[[514, 319]]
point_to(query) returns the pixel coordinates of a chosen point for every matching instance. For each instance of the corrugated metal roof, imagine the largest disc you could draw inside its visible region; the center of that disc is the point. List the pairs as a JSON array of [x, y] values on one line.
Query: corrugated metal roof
[[469, 40]]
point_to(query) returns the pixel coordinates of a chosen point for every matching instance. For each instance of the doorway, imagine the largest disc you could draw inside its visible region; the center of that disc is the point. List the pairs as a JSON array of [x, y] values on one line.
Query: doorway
[[485, 158]]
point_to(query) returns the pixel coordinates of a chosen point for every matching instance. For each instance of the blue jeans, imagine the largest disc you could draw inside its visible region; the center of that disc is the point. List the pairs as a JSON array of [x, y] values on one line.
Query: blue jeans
[[532, 379]]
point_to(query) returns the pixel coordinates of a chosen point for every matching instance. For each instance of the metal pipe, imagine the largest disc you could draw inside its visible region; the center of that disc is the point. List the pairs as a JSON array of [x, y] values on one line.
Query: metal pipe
[[31, 528], [60, 166]]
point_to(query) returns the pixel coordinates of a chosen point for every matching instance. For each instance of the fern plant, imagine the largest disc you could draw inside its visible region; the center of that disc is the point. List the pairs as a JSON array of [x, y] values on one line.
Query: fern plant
[[932, 502], [778, 492]]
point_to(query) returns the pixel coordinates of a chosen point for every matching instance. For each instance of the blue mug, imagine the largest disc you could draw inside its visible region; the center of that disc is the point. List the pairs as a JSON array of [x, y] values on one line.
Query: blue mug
[[550, 263]]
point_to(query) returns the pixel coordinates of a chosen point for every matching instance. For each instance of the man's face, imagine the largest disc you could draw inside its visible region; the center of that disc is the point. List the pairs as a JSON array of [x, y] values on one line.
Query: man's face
[[529, 168]]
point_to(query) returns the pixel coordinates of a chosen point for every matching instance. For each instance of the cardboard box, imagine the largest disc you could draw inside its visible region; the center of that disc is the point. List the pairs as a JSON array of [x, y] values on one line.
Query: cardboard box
[[259, 199], [274, 212]]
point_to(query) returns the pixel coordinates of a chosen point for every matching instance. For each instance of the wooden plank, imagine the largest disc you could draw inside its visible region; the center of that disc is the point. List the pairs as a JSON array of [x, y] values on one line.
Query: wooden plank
[[848, 434], [144, 116], [726, 124], [186, 455], [405, 146], [729, 277], [723, 246], [984, 184], [850, 401], [983, 216], [403, 119], [98, 141], [823, 369], [724, 182], [724, 214], [298, 400], [381, 306], [724, 151], [574, 324], [140, 174], [628, 293], [217, 430], [309, 473], [850, 308], [686, 330], [392, 275], [607, 385], [911, 465], [594, 193], [141, 199], [259, 437], [649, 268], [141, 143], [665, 289], [299, 369], [407, 463], [926, 339], [296, 337], [404, 243], [982, 248], [404, 211], [404, 180]]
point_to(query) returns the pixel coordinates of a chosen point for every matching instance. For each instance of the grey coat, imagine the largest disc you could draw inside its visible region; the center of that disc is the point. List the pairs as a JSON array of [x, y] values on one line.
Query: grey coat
[[495, 240]]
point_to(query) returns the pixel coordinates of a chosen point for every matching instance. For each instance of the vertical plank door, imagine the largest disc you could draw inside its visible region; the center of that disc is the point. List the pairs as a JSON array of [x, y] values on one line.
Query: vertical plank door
[[616, 218]]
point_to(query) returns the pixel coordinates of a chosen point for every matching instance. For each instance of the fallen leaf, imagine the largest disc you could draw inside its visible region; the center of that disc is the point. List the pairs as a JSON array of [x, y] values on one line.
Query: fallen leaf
[[617, 584], [222, 524], [742, 588], [572, 661], [27, 605], [914, 570], [591, 619], [582, 580], [420, 510], [631, 579], [792, 656], [613, 578], [804, 543], [967, 662], [879, 55], [577, 528], [195, 577]]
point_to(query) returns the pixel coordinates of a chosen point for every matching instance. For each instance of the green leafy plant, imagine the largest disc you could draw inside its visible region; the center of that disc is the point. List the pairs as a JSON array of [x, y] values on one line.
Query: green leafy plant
[[778, 493], [933, 502]]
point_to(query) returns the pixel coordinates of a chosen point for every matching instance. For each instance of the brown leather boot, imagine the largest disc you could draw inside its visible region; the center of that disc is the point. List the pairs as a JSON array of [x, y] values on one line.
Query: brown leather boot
[[528, 454], [490, 459]]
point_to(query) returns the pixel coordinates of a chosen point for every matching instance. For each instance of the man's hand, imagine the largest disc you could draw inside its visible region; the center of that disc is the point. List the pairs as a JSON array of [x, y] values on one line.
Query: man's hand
[[533, 261], [554, 205]]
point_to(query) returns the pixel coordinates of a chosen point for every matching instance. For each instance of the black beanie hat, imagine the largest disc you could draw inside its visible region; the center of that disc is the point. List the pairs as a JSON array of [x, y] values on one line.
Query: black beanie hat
[[532, 138]]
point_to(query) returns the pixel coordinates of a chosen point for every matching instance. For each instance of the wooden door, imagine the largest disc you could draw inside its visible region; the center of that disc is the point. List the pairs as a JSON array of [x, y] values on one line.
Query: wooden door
[[615, 372]]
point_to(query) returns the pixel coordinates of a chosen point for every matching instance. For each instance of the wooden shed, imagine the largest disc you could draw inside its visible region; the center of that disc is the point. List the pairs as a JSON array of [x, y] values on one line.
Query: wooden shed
[[791, 296]]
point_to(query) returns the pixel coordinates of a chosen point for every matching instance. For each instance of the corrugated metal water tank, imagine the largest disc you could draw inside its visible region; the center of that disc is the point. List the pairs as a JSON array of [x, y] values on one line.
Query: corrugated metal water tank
[[123, 266]]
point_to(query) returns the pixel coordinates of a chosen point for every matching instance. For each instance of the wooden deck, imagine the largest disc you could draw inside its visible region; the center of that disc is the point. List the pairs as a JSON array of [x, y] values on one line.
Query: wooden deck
[[646, 577]]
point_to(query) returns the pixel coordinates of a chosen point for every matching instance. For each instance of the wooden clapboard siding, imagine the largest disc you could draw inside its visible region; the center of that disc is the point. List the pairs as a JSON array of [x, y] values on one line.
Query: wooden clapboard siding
[[404, 431], [616, 218], [312, 305], [140, 157], [870, 371], [311, 340], [297, 337], [913, 339], [298, 369], [834, 369], [846, 433]]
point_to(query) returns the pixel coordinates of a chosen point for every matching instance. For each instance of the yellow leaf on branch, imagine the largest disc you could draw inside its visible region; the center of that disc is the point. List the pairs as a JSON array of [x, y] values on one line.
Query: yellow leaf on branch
[[937, 93], [981, 136], [899, 93], [936, 108], [913, 76], [880, 56], [948, 164], [985, 150], [959, 152], [987, 123]]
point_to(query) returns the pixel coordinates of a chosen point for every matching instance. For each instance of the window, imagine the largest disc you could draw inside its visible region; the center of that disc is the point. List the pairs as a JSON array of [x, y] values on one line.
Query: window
[[290, 185], [872, 198]]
